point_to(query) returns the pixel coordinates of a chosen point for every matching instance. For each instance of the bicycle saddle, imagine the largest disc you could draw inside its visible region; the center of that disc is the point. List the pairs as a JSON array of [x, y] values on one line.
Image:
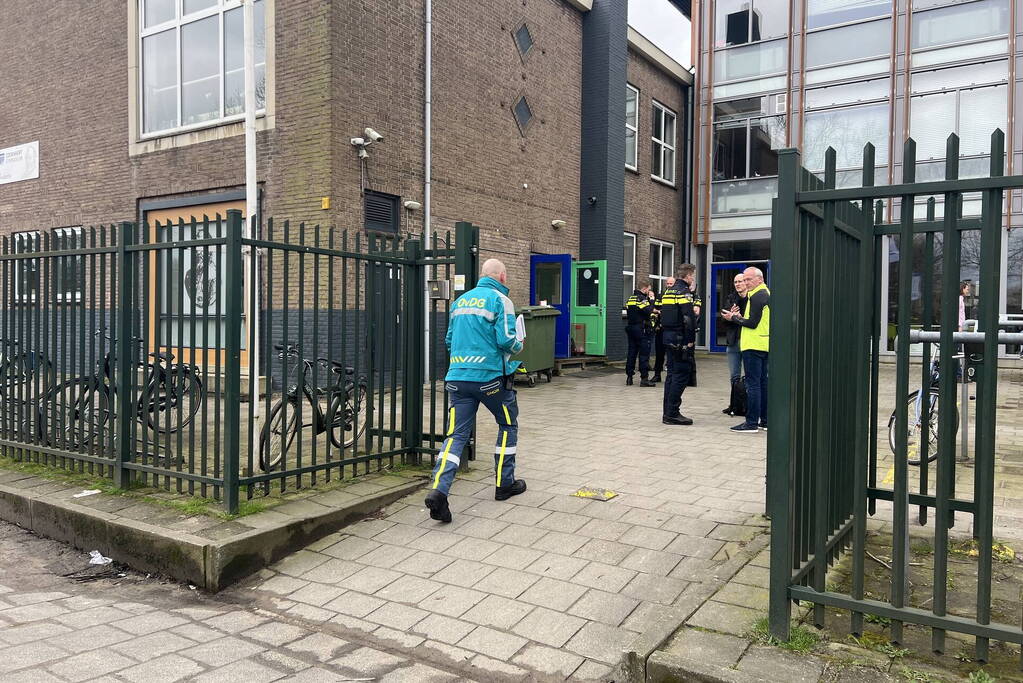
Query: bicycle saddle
[[340, 367], [163, 355], [289, 348]]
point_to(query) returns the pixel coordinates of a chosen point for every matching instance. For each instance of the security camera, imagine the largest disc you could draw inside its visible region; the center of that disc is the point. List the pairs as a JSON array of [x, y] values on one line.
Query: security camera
[[413, 206], [373, 136], [558, 224], [358, 142]]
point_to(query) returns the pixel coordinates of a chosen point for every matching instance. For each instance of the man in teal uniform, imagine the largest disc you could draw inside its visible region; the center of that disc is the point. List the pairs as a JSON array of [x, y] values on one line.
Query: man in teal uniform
[[481, 340]]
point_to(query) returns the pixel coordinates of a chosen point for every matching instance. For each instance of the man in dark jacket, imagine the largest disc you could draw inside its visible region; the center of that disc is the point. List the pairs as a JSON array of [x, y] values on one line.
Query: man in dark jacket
[[678, 317], [735, 299], [639, 330]]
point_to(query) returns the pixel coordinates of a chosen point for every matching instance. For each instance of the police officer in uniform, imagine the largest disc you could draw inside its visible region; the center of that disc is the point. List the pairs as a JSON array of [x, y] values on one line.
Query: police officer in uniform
[[639, 330], [679, 311]]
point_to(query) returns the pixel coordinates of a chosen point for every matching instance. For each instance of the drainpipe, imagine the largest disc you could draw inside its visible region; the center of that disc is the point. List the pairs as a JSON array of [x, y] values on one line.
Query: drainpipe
[[427, 163]]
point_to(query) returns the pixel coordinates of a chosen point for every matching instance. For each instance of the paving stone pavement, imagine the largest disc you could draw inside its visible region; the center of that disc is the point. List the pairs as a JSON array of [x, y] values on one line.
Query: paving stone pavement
[[547, 584], [134, 629]]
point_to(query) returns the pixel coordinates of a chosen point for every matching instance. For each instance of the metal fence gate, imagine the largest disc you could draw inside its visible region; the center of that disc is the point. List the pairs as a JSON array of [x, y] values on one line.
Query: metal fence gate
[[824, 394], [210, 359]]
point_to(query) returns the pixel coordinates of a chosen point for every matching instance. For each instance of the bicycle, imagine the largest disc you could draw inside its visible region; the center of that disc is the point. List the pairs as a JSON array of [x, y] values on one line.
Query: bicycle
[[915, 419], [74, 412], [21, 367], [339, 409]]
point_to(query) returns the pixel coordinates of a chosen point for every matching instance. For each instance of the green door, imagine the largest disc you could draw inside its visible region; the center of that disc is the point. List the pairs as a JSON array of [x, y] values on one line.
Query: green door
[[589, 304]]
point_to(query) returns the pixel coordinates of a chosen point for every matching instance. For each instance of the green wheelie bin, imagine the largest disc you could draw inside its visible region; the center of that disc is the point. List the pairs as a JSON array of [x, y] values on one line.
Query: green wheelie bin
[[537, 353]]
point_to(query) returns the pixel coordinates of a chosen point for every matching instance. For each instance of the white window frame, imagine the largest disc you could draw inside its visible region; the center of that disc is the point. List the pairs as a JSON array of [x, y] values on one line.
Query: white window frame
[[658, 278], [634, 166], [219, 9], [664, 144], [74, 295], [33, 238], [631, 270]]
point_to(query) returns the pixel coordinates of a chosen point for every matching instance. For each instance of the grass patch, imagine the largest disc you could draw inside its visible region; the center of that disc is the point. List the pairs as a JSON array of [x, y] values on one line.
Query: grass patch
[[878, 643], [875, 619], [980, 676], [801, 639], [921, 546], [908, 674]]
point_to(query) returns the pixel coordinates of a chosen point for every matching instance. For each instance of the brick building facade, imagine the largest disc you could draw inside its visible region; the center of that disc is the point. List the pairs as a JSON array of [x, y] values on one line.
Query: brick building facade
[[333, 69]]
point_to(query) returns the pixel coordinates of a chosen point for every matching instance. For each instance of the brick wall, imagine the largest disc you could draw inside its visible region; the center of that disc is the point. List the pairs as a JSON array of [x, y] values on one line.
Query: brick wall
[[653, 209]]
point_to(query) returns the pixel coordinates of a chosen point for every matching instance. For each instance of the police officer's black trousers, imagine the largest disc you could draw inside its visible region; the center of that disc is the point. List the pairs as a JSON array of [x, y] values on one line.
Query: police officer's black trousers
[[681, 365], [658, 352], [639, 345]]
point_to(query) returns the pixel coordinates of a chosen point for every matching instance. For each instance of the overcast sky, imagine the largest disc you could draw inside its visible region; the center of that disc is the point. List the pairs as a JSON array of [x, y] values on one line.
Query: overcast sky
[[662, 23]]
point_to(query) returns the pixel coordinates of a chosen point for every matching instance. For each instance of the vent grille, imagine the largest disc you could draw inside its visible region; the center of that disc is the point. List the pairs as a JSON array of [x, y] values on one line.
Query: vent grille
[[381, 212]]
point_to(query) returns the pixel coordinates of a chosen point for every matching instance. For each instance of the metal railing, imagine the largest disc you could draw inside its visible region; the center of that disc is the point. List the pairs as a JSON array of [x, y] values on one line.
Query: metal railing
[[126, 351], [825, 399]]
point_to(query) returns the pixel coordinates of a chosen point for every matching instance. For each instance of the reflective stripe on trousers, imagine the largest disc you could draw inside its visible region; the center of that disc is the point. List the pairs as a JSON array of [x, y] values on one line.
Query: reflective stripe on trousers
[[465, 399]]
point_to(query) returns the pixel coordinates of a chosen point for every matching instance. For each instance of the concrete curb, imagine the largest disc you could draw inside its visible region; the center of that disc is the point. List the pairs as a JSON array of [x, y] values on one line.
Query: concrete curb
[[212, 565], [663, 667], [636, 661]]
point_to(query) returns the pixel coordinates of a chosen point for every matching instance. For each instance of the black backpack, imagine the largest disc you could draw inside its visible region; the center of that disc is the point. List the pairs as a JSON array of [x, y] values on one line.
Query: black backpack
[[737, 401]]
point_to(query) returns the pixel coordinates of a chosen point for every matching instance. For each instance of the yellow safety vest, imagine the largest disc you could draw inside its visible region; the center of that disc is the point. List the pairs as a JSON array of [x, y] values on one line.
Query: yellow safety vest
[[759, 338]]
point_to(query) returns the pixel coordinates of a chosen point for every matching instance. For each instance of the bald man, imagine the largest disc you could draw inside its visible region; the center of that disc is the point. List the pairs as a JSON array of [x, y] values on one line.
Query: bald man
[[481, 340]]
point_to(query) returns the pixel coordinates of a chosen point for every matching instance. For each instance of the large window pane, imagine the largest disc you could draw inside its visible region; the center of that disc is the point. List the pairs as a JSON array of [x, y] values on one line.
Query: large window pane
[[869, 67], [234, 55], [981, 111], [200, 71], [932, 119], [957, 77], [743, 196], [848, 94], [158, 11], [191, 6], [829, 12], [739, 108], [730, 150], [160, 89], [766, 136], [847, 130], [751, 61], [631, 110], [959, 23], [742, 21], [849, 43]]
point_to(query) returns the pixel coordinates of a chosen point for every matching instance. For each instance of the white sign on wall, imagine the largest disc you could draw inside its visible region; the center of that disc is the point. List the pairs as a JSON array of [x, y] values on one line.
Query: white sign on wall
[[20, 162]]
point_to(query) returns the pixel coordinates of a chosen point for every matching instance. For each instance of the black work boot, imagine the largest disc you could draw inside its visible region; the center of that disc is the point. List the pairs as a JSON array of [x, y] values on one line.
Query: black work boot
[[506, 492], [644, 382], [677, 420], [657, 377], [628, 380], [437, 502]]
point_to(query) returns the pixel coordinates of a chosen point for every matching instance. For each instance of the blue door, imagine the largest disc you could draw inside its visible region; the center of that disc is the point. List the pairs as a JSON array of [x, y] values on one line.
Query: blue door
[[550, 281], [722, 278]]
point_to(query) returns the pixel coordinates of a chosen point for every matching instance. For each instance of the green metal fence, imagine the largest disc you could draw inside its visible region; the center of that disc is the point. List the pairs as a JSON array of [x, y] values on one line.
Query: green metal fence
[[824, 395], [206, 359]]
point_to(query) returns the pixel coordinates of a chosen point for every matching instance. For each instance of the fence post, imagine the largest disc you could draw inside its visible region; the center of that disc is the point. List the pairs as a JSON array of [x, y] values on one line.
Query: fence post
[[779, 390], [232, 394], [412, 391], [123, 348], [467, 265]]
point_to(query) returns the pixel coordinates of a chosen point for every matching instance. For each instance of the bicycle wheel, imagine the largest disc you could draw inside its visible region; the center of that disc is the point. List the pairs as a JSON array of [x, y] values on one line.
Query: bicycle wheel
[[13, 373], [348, 416], [277, 434], [917, 429], [173, 398], [73, 414]]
